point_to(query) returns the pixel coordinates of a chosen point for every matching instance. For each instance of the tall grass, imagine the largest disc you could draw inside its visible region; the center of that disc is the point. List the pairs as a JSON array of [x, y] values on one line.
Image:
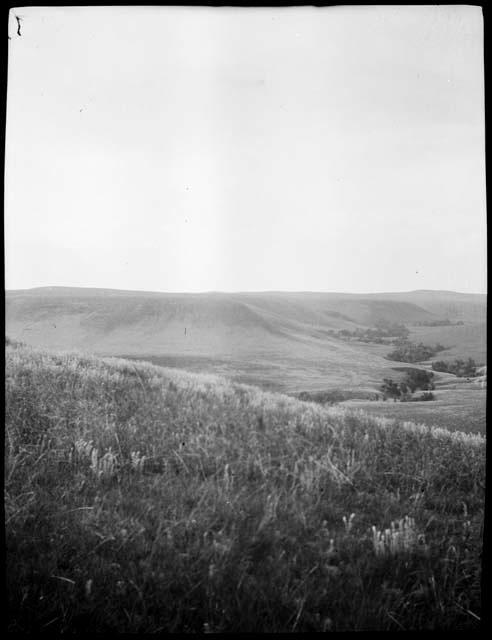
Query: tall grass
[[141, 499]]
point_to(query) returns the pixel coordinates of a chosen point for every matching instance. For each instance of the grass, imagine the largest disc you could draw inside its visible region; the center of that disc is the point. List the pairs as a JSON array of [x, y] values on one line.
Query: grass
[[457, 406], [279, 341], [463, 341], [143, 499]]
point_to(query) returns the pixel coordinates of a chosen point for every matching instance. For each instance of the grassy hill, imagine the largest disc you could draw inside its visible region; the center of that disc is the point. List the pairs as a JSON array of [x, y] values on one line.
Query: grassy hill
[[280, 341], [465, 341], [143, 499], [467, 307]]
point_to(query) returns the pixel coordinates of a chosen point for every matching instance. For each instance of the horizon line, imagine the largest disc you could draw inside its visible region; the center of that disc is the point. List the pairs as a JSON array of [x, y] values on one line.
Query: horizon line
[[256, 291]]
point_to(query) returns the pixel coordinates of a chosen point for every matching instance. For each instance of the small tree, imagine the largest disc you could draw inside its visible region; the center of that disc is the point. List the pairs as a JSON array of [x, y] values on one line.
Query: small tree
[[390, 389], [427, 395], [405, 392]]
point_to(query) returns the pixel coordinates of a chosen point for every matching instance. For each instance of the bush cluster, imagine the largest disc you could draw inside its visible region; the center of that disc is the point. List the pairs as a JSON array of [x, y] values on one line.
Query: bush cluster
[[439, 323], [412, 352], [414, 379], [333, 396], [460, 368], [379, 334]]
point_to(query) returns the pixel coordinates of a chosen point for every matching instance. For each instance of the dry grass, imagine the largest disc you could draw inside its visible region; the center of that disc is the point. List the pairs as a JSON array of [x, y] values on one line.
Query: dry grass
[[142, 499], [462, 408], [465, 341]]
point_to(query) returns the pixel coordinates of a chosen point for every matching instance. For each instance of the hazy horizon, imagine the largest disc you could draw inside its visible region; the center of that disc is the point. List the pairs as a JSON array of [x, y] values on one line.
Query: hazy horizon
[[296, 149], [471, 293]]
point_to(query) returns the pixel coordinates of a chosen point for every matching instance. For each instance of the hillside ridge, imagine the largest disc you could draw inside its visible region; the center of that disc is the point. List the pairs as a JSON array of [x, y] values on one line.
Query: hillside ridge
[[63, 288], [285, 341], [136, 493]]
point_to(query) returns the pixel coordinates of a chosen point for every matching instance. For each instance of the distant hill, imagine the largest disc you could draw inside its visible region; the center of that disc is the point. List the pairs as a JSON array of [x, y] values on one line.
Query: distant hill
[[272, 338], [467, 307]]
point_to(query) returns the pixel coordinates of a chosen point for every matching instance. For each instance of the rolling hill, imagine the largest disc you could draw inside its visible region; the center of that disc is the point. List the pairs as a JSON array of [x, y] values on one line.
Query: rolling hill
[[277, 340], [152, 500]]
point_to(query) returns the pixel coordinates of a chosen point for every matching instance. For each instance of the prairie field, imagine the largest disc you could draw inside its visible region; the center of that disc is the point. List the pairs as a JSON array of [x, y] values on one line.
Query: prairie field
[[458, 407], [147, 499], [462, 341], [278, 341]]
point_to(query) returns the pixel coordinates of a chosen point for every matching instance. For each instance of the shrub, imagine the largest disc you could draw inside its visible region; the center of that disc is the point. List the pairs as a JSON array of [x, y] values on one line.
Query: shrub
[[377, 334], [411, 352], [419, 379], [427, 395], [390, 388], [414, 379], [459, 367], [332, 396]]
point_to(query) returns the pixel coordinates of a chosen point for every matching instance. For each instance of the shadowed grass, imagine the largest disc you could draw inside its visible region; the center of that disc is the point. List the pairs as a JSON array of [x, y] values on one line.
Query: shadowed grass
[[146, 499]]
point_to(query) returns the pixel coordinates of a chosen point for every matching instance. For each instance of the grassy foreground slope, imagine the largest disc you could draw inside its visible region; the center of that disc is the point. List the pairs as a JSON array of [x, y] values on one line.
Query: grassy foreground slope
[[145, 499]]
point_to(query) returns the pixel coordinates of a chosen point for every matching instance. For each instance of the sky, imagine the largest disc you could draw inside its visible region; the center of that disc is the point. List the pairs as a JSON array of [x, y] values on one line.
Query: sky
[[223, 149]]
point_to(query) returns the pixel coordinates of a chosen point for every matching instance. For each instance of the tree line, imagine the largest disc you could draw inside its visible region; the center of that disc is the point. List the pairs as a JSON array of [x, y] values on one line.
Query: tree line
[[411, 352], [439, 323], [460, 368], [380, 333]]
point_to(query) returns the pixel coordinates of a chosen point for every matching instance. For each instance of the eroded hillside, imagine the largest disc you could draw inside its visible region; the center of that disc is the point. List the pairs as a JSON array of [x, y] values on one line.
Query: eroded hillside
[[282, 341]]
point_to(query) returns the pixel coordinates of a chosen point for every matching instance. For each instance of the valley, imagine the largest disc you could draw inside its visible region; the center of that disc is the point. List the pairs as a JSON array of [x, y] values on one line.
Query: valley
[[285, 342]]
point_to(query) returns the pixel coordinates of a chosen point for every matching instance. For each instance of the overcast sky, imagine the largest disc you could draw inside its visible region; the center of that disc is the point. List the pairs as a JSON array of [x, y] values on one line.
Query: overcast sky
[[198, 149]]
